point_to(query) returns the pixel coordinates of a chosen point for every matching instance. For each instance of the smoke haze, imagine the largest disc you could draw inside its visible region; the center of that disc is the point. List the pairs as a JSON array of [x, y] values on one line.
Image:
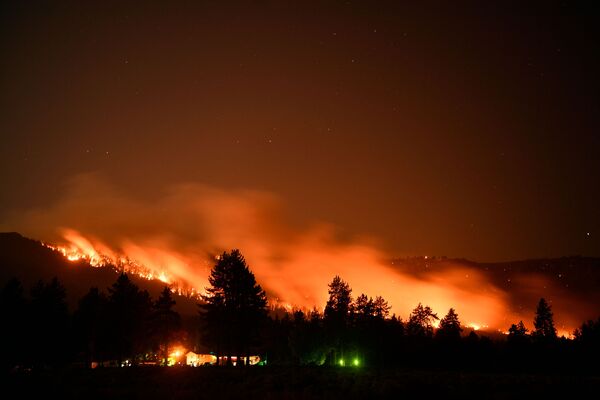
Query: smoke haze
[[178, 232]]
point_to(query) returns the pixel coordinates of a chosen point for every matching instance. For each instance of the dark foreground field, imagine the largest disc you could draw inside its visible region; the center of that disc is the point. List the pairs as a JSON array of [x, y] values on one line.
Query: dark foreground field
[[294, 383]]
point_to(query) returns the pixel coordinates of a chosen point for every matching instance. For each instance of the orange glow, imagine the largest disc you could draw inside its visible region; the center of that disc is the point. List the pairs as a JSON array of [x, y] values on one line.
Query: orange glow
[[477, 327], [195, 360], [290, 287], [177, 351], [163, 278], [176, 239], [82, 249]]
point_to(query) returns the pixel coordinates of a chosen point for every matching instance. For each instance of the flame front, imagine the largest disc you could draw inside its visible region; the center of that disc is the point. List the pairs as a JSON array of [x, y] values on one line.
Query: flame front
[[174, 239], [79, 248], [288, 288]]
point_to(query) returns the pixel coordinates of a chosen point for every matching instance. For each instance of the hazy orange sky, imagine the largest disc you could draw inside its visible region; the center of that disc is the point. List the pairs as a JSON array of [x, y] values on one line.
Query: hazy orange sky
[[470, 133]]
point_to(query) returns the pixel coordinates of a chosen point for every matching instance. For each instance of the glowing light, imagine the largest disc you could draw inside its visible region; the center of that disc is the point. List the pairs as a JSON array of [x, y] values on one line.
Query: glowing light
[[196, 360], [567, 334], [290, 288], [174, 356], [163, 278], [342, 363], [177, 352], [477, 326], [98, 255], [155, 263], [356, 362]]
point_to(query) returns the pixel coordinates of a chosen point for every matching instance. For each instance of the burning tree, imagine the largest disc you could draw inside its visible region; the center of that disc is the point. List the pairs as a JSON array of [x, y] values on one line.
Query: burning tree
[[234, 306]]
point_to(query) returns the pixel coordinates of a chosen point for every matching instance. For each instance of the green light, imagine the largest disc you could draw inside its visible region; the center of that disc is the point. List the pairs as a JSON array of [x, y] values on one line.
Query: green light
[[356, 362], [342, 362]]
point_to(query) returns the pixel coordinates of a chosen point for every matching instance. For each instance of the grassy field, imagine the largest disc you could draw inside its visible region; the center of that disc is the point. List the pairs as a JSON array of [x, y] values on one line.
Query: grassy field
[[292, 383]]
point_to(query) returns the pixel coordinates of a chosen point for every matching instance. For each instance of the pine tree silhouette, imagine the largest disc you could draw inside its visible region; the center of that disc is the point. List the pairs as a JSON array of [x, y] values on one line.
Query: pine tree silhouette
[[420, 322], [544, 322], [337, 314], [449, 328], [234, 306]]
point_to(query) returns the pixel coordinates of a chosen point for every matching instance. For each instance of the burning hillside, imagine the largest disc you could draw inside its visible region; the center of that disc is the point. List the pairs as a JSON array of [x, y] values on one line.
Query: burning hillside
[[173, 239], [81, 249]]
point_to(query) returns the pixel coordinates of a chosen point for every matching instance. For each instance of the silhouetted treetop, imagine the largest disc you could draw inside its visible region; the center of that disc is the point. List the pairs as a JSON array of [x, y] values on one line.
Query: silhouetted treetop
[[339, 303], [517, 334], [544, 321], [381, 308], [420, 321], [364, 306], [233, 285], [589, 332], [449, 327], [234, 307], [518, 329]]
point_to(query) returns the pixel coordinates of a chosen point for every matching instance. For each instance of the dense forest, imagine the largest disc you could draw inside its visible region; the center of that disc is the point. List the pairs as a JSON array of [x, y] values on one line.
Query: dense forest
[[126, 326]]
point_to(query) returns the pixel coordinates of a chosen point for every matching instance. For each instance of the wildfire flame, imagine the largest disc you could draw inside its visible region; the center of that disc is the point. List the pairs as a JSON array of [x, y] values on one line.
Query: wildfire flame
[[476, 327], [174, 238], [81, 249]]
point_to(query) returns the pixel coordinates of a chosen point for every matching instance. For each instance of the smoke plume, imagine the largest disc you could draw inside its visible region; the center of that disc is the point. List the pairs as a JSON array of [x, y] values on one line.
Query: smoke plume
[[176, 234]]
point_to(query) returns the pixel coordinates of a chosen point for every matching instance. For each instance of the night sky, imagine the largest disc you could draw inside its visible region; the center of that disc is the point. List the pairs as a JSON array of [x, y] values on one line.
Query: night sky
[[459, 131]]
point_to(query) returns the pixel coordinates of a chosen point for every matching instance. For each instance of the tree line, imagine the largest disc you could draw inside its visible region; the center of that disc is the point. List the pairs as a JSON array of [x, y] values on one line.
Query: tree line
[[123, 324], [234, 320]]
